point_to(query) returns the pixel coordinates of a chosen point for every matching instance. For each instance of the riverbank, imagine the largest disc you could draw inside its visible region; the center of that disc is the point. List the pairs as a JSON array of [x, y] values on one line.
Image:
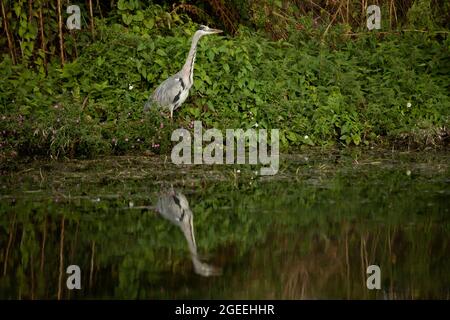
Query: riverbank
[[380, 90]]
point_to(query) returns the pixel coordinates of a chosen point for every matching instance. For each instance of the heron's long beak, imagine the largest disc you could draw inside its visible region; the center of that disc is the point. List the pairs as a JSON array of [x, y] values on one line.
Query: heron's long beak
[[216, 31]]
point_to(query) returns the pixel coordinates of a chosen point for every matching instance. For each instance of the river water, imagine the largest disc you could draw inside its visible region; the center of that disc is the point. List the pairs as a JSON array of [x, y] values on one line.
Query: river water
[[309, 232]]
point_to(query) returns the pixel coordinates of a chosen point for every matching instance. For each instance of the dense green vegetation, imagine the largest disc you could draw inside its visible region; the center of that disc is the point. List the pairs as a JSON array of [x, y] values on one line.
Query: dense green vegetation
[[323, 80]]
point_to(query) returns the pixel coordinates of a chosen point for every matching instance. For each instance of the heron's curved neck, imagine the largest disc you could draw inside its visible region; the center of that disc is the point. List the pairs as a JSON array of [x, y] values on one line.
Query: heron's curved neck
[[188, 68], [188, 231]]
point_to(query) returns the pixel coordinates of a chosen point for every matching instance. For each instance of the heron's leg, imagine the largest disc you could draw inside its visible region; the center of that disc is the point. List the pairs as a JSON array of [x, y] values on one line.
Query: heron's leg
[[171, 114]]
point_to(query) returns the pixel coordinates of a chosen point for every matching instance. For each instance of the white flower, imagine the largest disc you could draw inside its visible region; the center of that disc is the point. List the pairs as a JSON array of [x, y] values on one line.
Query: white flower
[[408, 105], [130, 87], [408, 172], [306, 137], [256, 125], [239, 171]]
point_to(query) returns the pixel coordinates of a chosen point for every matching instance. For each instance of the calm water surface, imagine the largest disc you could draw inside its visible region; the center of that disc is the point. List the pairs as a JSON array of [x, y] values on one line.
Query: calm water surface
[[307, 233]]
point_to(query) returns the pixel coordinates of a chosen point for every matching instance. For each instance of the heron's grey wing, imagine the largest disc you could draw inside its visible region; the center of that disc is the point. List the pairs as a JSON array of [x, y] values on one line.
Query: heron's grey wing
[[168, 92]]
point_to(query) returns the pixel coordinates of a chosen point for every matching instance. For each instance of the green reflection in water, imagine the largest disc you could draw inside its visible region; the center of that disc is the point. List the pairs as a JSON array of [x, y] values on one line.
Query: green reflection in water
[[309, 232]]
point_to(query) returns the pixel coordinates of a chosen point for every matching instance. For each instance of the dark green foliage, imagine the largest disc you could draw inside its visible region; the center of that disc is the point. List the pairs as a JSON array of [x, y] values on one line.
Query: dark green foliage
[[333, 90]]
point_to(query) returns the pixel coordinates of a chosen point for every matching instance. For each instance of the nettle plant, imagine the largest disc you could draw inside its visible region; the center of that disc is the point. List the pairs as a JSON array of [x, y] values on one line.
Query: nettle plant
[[148, 19]]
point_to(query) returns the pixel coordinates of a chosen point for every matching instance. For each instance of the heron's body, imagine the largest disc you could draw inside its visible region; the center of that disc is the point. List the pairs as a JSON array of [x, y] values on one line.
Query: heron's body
[[172, 92]]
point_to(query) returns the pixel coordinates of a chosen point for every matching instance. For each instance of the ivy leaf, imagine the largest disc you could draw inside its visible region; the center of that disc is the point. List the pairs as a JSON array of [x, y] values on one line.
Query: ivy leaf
[[127, 18], [161, 52], [121, 5], [141, 46], [149, 23], [292, 136], [139, 16], [356, 139]]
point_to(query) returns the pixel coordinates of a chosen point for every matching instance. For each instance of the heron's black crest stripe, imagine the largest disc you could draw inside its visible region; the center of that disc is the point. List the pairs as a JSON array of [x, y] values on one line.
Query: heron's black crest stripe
[[177, 97], [192, 66], [177, 201]]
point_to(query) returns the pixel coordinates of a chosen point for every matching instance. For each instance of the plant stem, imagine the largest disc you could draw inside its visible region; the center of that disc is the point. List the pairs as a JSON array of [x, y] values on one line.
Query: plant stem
[[61, 39], [8, 34], [41, 27], [91, 18]]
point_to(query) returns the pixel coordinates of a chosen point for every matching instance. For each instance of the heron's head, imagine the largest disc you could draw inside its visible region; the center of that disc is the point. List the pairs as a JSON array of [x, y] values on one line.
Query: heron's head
[[205, 30]]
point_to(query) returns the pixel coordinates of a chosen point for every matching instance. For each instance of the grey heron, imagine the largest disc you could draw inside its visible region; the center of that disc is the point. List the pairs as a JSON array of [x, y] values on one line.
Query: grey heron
[[171, 93], [174, 206]]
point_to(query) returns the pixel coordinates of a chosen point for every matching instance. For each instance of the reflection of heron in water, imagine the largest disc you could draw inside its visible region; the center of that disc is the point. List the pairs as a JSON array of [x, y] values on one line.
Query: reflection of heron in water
[[174, 206]]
